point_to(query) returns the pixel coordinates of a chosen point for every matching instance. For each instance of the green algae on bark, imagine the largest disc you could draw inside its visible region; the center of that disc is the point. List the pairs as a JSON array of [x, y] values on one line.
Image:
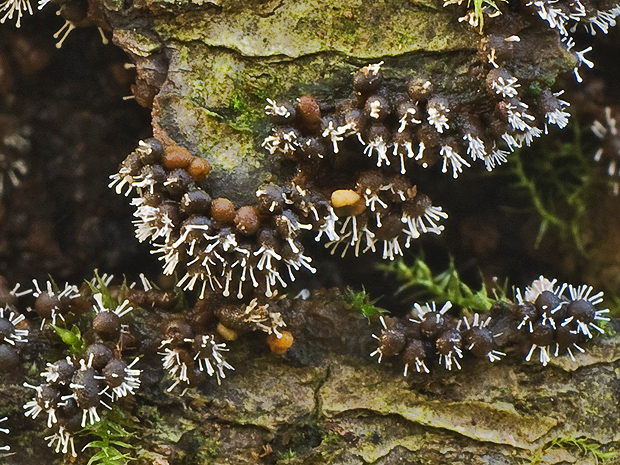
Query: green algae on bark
[[326, 402], [364, 30], [224, 62], [226, 57], [212, 102]]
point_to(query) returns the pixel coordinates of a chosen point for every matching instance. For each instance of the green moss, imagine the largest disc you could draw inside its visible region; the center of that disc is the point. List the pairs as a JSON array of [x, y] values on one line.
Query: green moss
[[331, 440], [360, 302], [557, 179], [287, 456], [208, 451], [247, 110], [585, 446], [111, 447], [419, 283], [535, 88], [347, 25], [478, 6], [72, 337], [198, 93]]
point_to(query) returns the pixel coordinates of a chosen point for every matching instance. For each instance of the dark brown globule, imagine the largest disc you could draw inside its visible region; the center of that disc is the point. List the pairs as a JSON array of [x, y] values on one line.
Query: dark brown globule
[[419, 88], [381, 106], [479, 341], [101, 355], [114, 373], [196, 201], [581, 310], [392, 342], [8, 358], [177, 182], [415, 349], [166, 300], [178, 330], [232, 317], [46, 304], [6, 329], [47, 394], [65, 371], [365, 81], [547, 301], [270, 199], [154, 155], [107, 325], [87, 388], [565, 336], [542, 335], [432, 324], [448, 341], [525, 310]]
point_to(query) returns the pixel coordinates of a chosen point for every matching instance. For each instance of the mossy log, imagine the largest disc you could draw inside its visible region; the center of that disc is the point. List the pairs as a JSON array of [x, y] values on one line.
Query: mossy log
[[206, 68], [327, 402]]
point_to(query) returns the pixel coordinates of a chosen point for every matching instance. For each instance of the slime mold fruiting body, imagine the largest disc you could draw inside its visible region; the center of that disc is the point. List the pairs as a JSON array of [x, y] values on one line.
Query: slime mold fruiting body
[[608, 152], [78, 386], [14, 330], [544, 319], [5, 431]]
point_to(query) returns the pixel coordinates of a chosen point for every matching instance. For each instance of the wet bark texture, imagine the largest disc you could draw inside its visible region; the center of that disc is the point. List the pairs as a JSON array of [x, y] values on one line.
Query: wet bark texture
[[217, 62], [325, 402], [207, 67]]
